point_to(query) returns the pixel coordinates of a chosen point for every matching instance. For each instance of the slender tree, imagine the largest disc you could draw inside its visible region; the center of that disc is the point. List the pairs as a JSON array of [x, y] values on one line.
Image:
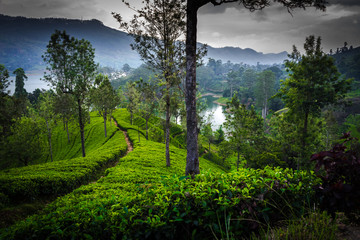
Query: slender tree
[[243, 126], [20, 77], [104, 98], [157, 29], [133, 97], [313, 83], [148, 100], [192, 158], [71, 70], [46, 110], [65, 108], [264, 89]]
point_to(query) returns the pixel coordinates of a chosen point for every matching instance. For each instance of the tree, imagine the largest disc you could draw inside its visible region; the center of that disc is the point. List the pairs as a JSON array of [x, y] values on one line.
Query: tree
[[313, 83], [133, 97], [264, 89], [26, 142], [71, 70], [192, 158], [65, 108], [20, 78], [243, 126], [148, 100], [157, 29], [208, 134], [6, 102], [232, 80], [46, 110], [4, 80], [104, 97]]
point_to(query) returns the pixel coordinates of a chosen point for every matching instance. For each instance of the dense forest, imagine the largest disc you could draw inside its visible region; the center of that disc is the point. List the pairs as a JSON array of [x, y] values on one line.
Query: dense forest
[[108, 153]]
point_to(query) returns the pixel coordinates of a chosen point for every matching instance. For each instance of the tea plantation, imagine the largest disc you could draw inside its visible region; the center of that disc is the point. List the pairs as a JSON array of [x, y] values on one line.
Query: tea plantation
[[141, 198]]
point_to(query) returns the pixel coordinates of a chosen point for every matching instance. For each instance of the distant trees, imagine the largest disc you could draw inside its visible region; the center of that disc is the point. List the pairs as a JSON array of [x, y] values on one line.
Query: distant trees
[[313, 83], [25, 143], [264, 89], [157, 29], [104, 98], [243, 126], [148, 100], [133, 97], [192, 159], [71, 70], [46, 110]]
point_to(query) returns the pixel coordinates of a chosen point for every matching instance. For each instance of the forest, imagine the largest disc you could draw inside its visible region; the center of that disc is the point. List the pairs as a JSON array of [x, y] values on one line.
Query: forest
[[133, 153]]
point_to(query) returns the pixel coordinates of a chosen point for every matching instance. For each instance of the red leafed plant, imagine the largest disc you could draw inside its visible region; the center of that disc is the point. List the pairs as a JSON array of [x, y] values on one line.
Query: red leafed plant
[[339, 169]]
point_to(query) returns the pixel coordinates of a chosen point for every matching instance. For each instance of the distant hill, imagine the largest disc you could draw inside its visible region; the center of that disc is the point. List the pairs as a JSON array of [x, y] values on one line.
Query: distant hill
[[247, 55], [23, 41]]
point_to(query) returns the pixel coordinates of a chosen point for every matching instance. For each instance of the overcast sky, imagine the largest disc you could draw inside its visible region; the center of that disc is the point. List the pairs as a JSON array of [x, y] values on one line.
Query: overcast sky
[[270, 31]]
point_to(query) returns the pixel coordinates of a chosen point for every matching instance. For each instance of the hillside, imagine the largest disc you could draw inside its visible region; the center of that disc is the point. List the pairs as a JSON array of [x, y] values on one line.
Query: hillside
[[141, 198], [23, 41]]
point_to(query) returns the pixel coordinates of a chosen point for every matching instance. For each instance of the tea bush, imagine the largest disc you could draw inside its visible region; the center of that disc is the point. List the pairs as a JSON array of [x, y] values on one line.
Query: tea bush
[[171, 207], [59, 177]]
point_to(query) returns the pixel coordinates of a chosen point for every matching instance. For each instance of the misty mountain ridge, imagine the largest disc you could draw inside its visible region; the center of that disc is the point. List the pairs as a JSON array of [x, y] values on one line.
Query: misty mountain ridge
[[24, 40]]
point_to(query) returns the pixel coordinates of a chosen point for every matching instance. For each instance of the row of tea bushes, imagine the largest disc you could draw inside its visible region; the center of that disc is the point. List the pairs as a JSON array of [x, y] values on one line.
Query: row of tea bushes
[[156, 132], [143, 205], [87, 212], [61, 177]]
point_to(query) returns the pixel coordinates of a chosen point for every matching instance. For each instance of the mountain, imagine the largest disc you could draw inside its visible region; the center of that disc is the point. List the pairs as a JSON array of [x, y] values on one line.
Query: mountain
[[23, 41], [247, 55]]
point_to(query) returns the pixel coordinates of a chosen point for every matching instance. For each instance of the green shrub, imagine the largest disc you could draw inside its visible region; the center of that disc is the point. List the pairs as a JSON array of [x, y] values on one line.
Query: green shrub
[[314, 226], [59, 177], [172, 207]]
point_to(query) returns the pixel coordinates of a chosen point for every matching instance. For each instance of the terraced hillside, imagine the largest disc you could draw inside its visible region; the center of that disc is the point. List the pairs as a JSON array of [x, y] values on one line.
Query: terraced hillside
[[140, 197]]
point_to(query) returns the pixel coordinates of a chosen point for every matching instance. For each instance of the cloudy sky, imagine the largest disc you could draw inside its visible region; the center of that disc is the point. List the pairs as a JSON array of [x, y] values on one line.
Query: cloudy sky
[[270, 31]]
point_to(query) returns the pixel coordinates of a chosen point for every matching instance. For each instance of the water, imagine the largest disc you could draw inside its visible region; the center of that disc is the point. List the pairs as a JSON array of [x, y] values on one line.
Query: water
[[217, 111], [31, 83]]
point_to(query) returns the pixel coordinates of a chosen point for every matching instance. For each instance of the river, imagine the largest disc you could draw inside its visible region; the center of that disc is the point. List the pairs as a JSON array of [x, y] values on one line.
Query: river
[[217, 111]]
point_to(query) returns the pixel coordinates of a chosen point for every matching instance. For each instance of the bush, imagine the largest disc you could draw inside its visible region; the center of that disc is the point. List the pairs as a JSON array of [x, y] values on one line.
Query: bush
[[59, 177], [339, 170], [171, 208]]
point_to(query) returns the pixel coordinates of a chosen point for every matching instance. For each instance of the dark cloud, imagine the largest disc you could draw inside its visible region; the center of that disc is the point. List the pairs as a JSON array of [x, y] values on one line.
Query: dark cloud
[[345, 2], [272, 29]]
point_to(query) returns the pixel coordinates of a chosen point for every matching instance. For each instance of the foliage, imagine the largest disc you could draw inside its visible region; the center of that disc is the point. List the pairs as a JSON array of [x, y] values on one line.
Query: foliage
[[313, 83], [264, 89], [4, 81], [104, 98], [174, 207], [26, 142], [20, 78], [286, 133], [63, 175], [244, 128], [339, 170], [71, 69], [314, 226]]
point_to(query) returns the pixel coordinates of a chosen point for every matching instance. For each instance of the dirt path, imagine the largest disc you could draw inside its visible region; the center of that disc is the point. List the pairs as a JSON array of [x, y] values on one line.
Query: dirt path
[[128, 142], [129, 149]]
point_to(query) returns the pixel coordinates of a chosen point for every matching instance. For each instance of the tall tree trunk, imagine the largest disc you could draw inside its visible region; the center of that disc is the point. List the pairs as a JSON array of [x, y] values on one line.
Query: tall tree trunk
[[105, 113], [167, 127], [81, 125], [192, 157], [49, 139]]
